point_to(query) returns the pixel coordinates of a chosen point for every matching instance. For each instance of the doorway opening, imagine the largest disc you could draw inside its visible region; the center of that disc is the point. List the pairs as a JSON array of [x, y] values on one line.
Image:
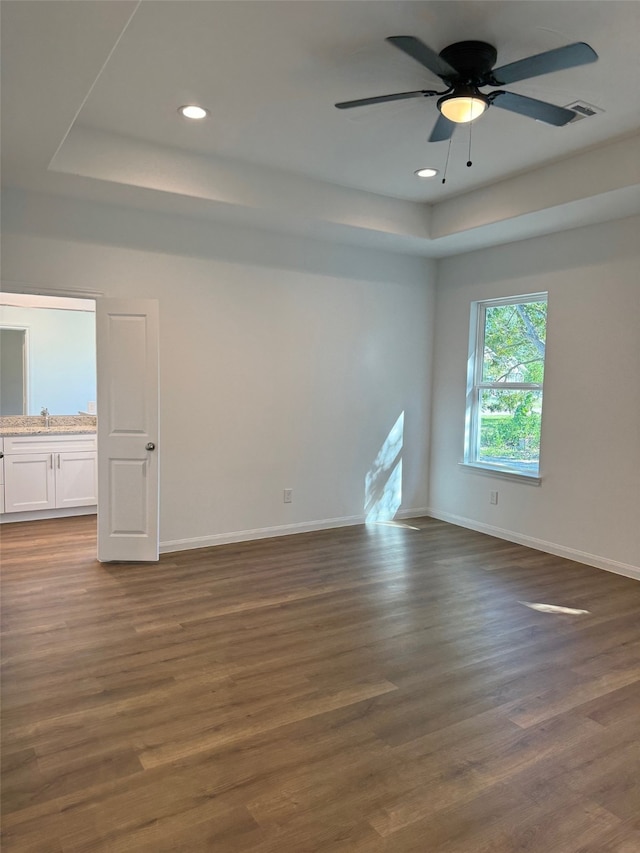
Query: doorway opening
[[48, 407], [124, 356]]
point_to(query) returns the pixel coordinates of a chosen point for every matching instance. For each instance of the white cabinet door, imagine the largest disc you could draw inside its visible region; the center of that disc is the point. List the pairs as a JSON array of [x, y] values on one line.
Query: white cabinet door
[[29, 482], [1, 475], [127, 346], [76, 479]]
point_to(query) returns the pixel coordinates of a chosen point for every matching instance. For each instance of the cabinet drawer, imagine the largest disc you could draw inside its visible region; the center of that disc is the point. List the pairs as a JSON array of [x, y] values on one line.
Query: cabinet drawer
[[48, 443]]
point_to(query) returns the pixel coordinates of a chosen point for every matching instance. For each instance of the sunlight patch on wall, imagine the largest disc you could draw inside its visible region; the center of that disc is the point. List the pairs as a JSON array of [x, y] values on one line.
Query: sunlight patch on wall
[[383, 483]]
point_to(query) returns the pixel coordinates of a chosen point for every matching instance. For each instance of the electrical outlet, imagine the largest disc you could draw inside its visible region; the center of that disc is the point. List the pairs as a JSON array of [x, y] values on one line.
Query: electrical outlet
[[494, 498], [288, 496]]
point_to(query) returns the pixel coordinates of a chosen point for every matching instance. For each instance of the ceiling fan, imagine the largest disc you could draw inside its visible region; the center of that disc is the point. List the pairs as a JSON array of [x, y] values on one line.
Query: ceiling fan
[[467, 66]]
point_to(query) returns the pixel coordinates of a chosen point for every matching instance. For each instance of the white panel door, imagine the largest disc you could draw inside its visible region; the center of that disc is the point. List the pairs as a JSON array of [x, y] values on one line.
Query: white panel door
[[128, 500]]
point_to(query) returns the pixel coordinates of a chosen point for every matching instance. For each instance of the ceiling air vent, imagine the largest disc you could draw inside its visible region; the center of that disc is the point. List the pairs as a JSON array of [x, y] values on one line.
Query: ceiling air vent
[[583, 110]]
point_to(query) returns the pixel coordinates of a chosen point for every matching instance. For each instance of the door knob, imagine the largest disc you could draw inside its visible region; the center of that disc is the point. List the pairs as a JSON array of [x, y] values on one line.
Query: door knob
[[150, 446]]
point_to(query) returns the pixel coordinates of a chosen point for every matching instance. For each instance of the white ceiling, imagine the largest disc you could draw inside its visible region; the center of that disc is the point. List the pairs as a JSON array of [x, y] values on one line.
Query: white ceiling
[[90, 92]]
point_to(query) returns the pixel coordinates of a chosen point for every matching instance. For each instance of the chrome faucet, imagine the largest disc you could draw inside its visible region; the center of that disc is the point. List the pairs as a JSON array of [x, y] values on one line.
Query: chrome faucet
[[45, 415]]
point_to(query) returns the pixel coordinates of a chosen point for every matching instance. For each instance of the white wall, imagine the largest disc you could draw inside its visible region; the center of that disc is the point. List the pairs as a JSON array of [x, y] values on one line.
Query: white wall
[[285, 362], [588, 504], [61, 357]]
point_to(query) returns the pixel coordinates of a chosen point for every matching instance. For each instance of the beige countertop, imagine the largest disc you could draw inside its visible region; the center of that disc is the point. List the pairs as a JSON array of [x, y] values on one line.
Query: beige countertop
[[58, 425]]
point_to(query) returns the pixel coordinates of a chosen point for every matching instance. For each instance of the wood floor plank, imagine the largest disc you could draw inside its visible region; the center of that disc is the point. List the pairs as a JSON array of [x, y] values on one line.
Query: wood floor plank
[[375, 689], [309, 704]]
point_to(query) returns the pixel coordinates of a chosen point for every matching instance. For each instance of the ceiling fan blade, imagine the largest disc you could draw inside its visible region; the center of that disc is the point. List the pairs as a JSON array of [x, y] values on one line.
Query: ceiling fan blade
[[381, 99], [540, 110], [419, 51], [442, 130], [568, 56]]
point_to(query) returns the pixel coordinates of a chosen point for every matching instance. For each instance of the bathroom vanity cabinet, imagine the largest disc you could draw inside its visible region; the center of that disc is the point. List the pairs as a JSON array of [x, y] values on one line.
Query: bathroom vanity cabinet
[[43, 472]]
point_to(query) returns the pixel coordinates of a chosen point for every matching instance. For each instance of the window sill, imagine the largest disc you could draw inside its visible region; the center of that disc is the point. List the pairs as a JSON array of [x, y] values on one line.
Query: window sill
[[516, 476]]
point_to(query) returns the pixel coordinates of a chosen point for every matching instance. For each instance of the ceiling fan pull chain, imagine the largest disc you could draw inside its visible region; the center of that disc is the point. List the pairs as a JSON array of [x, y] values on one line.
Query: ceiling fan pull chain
[[446, 162], [469, 163]]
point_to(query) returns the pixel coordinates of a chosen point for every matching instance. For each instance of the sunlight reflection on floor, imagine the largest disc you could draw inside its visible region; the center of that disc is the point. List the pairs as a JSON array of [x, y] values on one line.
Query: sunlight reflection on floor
[[554, 608]]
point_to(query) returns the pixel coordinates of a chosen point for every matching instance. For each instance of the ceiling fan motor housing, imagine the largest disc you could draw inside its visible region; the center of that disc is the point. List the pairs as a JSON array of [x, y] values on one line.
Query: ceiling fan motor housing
[[473, 60]]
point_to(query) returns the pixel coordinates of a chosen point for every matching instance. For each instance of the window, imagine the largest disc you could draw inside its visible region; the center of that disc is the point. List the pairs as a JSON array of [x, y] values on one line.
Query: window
[[505, 384]]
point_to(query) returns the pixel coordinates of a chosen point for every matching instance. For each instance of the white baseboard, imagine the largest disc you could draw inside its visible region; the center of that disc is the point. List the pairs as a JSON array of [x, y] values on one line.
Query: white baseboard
[[39, 514], [269, 532], [413, 513], [256, 533], [598, 562]]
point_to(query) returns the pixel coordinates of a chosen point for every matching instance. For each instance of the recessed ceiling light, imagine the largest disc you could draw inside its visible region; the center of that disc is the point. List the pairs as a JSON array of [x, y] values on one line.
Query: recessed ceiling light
[[193, 111], [426, 173]]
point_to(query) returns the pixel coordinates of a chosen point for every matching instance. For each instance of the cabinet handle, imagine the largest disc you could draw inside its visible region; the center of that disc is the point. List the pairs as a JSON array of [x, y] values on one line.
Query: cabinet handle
[[51, 460], [58, 460]]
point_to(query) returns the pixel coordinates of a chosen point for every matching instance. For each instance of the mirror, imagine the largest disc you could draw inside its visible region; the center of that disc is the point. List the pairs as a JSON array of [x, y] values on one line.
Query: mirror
[[48, 355], [12, 371]]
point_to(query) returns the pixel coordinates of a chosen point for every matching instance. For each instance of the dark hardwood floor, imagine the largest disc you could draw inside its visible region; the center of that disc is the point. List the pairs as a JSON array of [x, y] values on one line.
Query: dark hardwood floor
[[356, 690]]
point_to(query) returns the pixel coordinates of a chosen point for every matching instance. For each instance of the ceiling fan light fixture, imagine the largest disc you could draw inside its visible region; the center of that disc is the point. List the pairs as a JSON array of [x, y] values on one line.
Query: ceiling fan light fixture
[[193, 111], [463, 105], [428, 172]]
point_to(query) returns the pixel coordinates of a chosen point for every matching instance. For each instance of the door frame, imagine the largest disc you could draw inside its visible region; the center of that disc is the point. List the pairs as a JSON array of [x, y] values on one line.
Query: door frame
[[32, 289]]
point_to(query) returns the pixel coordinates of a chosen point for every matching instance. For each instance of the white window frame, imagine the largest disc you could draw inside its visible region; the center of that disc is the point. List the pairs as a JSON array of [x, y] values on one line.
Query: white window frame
[[475, 385]]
